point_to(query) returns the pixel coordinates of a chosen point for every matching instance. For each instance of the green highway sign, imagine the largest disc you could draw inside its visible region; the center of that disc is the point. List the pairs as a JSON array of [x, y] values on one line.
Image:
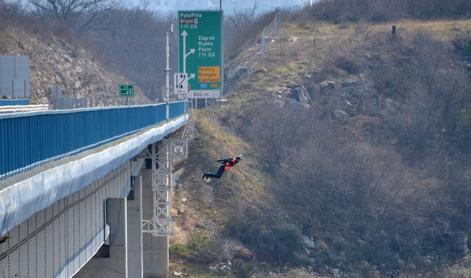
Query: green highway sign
[[200, 52], [126, 90]]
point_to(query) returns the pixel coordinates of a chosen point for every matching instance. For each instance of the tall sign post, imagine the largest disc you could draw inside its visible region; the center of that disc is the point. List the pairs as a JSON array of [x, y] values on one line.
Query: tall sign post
[[167, 79], [201, 52]]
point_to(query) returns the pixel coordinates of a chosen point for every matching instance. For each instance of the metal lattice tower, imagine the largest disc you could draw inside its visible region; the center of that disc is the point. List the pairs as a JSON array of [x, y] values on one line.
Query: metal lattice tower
[[161, 223], [179, 149], [162, 155]]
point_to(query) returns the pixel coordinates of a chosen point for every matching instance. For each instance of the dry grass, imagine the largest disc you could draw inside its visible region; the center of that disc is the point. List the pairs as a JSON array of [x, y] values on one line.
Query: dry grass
[[246, 178], [445, 30], [311, 47], [301, 49], [216, 142]]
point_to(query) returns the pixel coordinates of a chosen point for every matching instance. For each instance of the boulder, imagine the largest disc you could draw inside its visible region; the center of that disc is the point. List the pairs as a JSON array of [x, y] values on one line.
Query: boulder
[[350, 83], [221, 267], [374, 274], [309, 242], [326, 85], [322, 245], [300, 94], [340, 116], [232, 249], [177, 274]]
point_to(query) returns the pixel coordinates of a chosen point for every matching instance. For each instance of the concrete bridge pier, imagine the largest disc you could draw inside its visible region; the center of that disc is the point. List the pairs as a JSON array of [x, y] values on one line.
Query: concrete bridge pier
[[113, 262], [156, 256], [162, 256], [117, 218], [135, 255]]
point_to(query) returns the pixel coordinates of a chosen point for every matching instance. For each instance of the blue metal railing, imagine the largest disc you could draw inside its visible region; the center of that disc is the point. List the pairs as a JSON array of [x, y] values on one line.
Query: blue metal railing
[[29, 139], [177, 108]]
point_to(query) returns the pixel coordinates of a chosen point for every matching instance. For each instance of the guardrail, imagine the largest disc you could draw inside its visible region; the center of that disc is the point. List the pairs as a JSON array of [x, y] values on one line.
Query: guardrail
[[23, 108], [30, 139]]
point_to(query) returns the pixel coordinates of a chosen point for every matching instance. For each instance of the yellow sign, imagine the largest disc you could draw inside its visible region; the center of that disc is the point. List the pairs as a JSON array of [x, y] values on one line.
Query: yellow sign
[[210, 74]]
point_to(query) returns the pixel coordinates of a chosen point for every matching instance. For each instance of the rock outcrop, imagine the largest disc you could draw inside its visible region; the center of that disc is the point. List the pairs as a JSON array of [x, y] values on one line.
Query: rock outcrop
[[57, 61]]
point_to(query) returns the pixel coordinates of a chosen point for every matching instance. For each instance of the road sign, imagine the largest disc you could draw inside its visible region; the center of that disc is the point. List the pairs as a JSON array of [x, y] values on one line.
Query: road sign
[[126, 90], [180, 83], [201, 52]]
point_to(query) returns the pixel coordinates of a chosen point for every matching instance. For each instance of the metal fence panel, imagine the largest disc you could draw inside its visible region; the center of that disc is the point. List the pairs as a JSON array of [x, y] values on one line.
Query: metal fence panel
[[22, 67], [177, 108], [29, 139], [14, 76], [7, 74]]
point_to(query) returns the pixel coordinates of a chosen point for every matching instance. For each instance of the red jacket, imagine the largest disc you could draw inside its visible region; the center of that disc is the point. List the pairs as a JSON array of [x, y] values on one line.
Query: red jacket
[[228, 163]]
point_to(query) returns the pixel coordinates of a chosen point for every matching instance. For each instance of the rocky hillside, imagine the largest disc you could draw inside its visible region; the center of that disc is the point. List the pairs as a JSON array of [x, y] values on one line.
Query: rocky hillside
[[56, 59], [355, 159]]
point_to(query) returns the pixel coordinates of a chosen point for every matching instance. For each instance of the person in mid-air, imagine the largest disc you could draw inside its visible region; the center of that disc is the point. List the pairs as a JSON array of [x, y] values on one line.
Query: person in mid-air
[[226, 165]]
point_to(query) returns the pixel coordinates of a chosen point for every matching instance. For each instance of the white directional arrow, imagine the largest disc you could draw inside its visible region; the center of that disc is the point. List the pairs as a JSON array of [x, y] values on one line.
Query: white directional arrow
[[192, 51], [184, 34]]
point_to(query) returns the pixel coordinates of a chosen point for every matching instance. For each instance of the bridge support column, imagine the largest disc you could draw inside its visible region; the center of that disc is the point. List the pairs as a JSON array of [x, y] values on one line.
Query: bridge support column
[[156, 259], [117, 218], [116, 265], [135, 255], [157, 223], [161, 252]]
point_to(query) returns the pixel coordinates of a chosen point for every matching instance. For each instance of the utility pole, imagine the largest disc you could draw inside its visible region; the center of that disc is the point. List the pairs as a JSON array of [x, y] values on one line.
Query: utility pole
[[167, 74], [222, 50], [167, 78]]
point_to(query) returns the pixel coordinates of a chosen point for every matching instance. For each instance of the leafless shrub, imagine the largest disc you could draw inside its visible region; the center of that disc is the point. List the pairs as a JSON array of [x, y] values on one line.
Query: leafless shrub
[[347, 65], [383, 10], [393, 201], [132, 43], [420, 73], [10, 12], [243, 28], [78, 14], [16, 15]]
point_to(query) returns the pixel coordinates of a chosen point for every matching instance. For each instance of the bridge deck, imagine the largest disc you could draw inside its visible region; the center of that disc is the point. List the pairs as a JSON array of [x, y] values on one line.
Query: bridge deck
[[24, 194]]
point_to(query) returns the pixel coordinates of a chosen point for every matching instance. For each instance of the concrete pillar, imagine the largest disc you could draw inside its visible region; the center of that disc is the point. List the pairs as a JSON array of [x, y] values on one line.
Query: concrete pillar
[[116, 218], [135, 256], [156, 257], [162, 256], [117, 263]]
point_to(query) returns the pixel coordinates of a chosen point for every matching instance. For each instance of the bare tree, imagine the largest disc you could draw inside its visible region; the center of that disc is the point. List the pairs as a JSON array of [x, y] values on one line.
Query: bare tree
[[78, 14]]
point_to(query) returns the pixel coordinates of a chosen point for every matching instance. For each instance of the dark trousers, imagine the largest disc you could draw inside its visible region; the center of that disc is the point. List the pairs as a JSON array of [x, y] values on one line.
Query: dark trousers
[[218, 174]]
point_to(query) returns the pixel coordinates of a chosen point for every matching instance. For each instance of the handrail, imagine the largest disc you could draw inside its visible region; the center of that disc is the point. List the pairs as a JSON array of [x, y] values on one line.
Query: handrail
[[33, 138], [23, 108]]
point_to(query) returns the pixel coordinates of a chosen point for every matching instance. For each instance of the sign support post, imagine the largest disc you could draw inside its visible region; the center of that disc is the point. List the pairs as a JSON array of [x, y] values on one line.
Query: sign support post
[[167, 80]]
